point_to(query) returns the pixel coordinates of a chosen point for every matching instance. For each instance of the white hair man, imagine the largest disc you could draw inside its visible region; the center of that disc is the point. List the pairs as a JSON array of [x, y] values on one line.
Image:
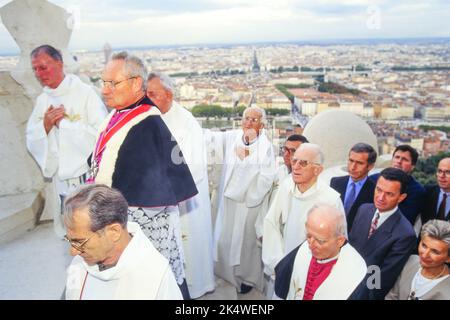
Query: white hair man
[[284, 224], [247, 177], [325, 266], [195, 213]]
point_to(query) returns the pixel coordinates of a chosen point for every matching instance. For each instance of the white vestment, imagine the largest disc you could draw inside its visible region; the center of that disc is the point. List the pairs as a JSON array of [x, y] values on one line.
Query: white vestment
[[243, 201], [62, 153], [282, 173], [141, 273], [284, 225], [349, 270], [195, 213]]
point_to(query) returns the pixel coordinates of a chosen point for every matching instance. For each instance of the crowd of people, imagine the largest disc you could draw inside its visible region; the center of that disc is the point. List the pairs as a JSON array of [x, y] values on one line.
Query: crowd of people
[[136, 203]]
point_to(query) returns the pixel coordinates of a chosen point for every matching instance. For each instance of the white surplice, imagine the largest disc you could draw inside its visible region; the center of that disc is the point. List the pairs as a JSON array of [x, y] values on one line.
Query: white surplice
[[243, 201], [349, 270], [141, 273], [195, 213], [284, 224], [62, 154]]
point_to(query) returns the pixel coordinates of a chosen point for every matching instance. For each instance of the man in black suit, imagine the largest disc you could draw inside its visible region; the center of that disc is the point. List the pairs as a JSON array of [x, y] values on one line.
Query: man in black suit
[[405, 158], [356, 188], [383, 236], [437, 198]]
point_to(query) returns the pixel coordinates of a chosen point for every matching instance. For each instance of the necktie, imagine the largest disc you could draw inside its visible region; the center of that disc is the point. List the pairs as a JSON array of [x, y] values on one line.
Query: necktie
[[350, 198], [374, 225], [441, 211]]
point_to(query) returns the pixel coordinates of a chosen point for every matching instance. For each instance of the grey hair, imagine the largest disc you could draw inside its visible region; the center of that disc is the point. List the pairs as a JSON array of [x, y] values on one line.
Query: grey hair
[[105, 206], [334, 213], [365, 148], [319, 158], [166, 81], [437, 229], [261, 111], [54, 53], [133, 66]]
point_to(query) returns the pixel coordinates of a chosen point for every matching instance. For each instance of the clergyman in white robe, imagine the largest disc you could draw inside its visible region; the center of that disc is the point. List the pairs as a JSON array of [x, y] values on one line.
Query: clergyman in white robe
[[62, 153], [141, 273], [195, 213], [284, 224], [243, 201], [349, 270]]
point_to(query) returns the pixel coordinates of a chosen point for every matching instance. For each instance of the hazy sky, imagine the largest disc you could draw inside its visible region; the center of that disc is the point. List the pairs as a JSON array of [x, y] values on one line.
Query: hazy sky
[[170, 22]]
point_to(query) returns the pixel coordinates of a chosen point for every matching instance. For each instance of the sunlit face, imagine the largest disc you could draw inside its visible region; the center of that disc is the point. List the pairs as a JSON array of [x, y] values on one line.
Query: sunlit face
[[432, 252], [387, 194], [322, 239], [288, 151], [48, 71], [402, 160], [304, 168], [96, 247], [160, 96], [358, 165], [123, 93], [251, 120], [443, 174]]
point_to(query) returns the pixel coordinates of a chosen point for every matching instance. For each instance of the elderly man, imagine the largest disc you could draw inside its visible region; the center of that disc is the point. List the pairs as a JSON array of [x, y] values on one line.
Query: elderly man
[[136, 154], [437, 198], [426, 276], [113, 258], [326, 266], [382, 235], [62, 128], [284, 225], [405, 158], [195, 213], [247, 176], [356, 188]]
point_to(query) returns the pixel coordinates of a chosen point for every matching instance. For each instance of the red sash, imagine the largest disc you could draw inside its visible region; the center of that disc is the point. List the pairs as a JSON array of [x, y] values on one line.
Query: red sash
[[105, 136]]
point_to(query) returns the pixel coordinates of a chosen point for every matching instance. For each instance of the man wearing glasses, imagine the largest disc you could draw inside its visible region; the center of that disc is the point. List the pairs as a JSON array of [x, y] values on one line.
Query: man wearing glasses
[[325, 266], [437, 198], [61, 131], [136, 154], [113, 258], [284, 224], [247, 176]]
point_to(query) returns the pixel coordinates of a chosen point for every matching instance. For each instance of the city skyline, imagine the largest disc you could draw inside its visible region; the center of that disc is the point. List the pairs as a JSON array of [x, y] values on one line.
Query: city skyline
[[123, 24]]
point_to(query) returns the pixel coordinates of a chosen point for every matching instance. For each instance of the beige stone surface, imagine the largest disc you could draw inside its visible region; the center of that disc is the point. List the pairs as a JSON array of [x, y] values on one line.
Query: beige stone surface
[[336, 131]]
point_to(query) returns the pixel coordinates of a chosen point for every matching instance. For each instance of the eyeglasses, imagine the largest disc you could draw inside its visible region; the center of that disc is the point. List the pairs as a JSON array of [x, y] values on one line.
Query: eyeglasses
[[76, 244], [443, 172], [253, 120], [321, 242], [113, 84], [303, 163], [289, 150]]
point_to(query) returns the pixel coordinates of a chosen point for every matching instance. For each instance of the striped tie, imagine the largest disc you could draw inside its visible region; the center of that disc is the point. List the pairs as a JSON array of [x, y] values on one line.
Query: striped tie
[[374, 224]]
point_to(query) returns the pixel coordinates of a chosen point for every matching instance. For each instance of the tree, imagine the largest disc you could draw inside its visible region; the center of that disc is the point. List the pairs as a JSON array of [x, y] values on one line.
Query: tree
[[425, 170]]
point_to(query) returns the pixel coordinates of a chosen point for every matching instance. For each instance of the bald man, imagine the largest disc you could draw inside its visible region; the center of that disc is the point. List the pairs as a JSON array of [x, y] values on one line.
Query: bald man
[[325, 266]]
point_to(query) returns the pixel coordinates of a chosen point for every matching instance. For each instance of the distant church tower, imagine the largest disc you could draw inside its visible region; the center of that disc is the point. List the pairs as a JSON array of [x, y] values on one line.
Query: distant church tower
[[107, 50], [255, 67]]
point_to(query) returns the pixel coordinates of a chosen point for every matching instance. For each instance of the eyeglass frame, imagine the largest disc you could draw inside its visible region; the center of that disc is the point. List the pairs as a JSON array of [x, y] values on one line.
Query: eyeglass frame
[[306, 163], [253, 119], [79, 247], [286, 149], [113, 84], [446, 173]]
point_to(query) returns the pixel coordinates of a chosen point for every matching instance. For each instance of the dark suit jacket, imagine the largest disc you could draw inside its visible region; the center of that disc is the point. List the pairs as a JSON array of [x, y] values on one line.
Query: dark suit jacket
[[365, 195], [430, 204], [388, 248]]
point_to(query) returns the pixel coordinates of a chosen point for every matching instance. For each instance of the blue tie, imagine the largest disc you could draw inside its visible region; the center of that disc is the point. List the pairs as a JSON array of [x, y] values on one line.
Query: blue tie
[[350, 198]]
